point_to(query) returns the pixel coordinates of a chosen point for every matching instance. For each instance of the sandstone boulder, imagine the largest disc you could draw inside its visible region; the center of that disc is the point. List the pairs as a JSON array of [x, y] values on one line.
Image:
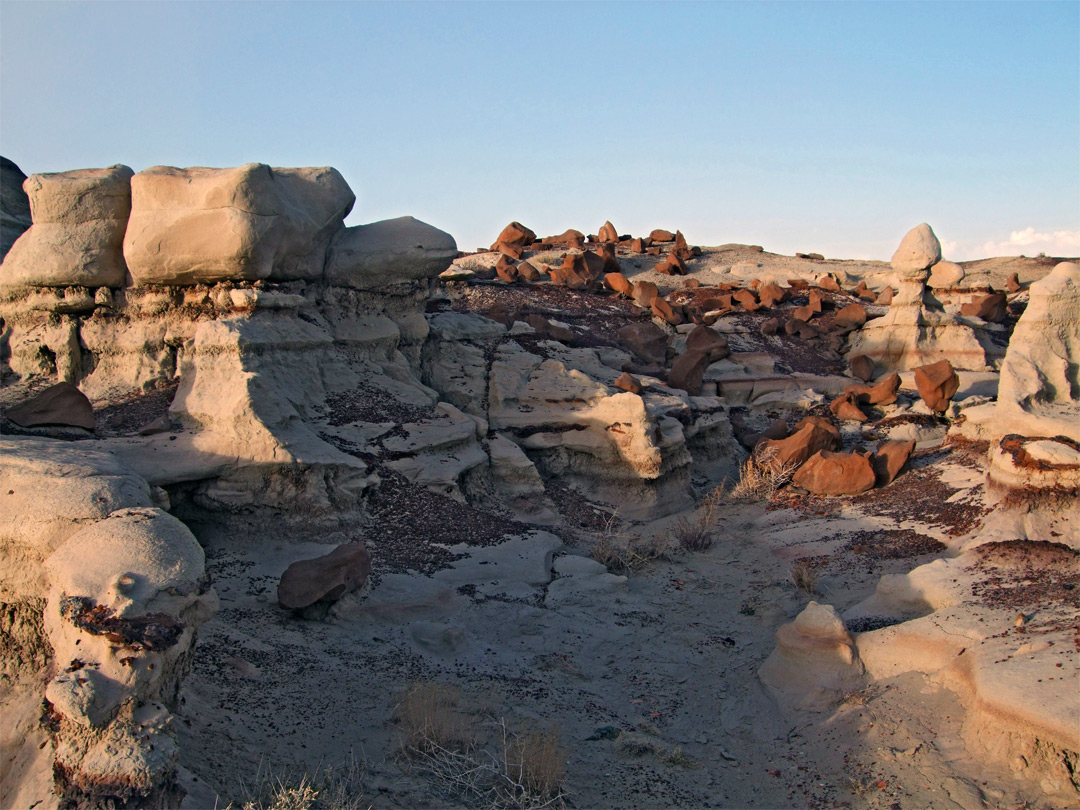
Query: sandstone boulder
[[846, 407], [381, 254], [505, 269], [704, 339], [771, 294], [644, 293], [569, 239], [687, 371], [826, 473], [918, 251], [619, 283], [807, 439], [197, 225], [326, 578], [945, 275], [60, 404], [889, 460], [851, 317], [672, 313], [646, 340], [937, 382], [661, 235], [885, 297], [607, 233], [637, 245], [862, 367], [573, 273], [747, 300], [14, 205], [770, 326], [829, 282], [77, 236], [1012, 284], [529, 272], [883, 393]]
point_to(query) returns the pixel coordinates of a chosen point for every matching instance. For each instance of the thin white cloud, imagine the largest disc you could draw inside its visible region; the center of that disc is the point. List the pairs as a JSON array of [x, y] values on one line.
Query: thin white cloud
[[1030, 242]]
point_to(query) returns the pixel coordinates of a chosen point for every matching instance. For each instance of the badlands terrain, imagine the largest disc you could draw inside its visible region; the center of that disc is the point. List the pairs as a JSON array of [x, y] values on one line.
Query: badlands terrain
[[303, 515]]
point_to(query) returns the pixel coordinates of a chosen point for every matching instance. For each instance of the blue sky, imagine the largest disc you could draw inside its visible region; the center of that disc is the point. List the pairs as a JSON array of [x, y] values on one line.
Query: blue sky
[[831, 127]]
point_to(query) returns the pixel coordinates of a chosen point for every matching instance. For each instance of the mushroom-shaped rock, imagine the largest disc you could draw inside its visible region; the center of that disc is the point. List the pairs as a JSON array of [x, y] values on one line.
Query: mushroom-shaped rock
[[890, 458], [937, 382], [326, 578], [198, 225], [60, 404], [378, 255], [77, 236], [826, 473], [918, 251], [815, 661]]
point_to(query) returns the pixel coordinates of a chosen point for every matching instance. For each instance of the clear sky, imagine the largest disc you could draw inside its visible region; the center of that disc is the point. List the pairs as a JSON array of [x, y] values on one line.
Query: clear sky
[[831, 127]]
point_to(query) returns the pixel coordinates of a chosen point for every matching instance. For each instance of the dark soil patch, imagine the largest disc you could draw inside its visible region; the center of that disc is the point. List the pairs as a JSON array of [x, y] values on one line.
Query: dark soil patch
[[1024, 574], [366, 403], [128, 417], [892, 544]]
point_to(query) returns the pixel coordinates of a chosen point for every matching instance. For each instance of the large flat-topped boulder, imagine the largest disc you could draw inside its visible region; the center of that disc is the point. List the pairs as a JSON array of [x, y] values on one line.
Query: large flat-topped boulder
[[199, 225], [370, 257], [78, 232]]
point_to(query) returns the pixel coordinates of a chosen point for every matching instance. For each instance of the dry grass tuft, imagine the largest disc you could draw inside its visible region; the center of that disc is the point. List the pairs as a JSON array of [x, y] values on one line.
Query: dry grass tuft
[[696, 533], [761, 476], [621, 552], [430, 714], [804, 576], [329, 788], [534, 764]]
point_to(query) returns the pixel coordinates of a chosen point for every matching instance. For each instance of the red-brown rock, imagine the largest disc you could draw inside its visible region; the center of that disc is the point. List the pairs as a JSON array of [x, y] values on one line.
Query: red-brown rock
[[828, 282], [680, 248], [687, 370], [861, 366], [644, 293], [828, 473], [845, 407], [853, 316], [672, 313], [637, 245], [770, 326], [671, 266], [1013, 284], [992, 308], [691, 284], [885, 296], [61, 404], [803, 313], [506, 270], [747, 300], [817, 301], [611, 264], [529, 272], [546, 328], [628, 382], [573, 273], [513, 251], [824, 424], [799, 328], [596, 264], [569, 239], [806, 440], [937, 382], [771, 294], [889, 459], [884, 393], [514, 235], [326, 578], [660, 235], [652, 251], [646, 340], [709, 341], [619, 283], [607, 233]]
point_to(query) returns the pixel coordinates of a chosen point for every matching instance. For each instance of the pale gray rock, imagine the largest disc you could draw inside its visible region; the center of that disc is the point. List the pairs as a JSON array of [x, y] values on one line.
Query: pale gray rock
[[371, 257], [918, 251], [199, 225], [76, 240]]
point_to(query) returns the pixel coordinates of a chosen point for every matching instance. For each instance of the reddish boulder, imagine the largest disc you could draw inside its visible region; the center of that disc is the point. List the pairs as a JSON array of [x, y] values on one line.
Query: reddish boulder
[[861, 366], [672, 313], [853, 316], [846, 407], [514, 235], [500, 313], [889, 459], [619, 283], [884, 393], [607, 233], [573, 273], [862, 291], [777, 430], [680, 248], [824, 424], [803, 313], [691, 284], [326, 578], [817, 300], [807, 439], [569, 239], [529, 272], [747, 300], [644, 293], [1013, 284], [637, 246], [937, 382], [828, 473], [546, 328], [660, 235], [771, 294], [770, 326], [828, 282], [652, 251], [671, 266], [611, 264], [61, 404], [513, 251], [687, 370], [596, 264], [709, 341], [628, 382], [799, 328], [646, 340], [885, 296], [991, 308], [795, 283], [506, 270]]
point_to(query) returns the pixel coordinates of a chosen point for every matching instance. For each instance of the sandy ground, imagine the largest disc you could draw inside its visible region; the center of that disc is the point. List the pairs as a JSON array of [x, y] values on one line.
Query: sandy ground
[[535, 633]]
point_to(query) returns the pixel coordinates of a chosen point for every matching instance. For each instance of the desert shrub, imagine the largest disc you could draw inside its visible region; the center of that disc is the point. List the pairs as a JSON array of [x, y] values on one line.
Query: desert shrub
[[761, 476], [804, 576], [534, 766], [696, 532], [329, 788], [622, 552], [430, 715]]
